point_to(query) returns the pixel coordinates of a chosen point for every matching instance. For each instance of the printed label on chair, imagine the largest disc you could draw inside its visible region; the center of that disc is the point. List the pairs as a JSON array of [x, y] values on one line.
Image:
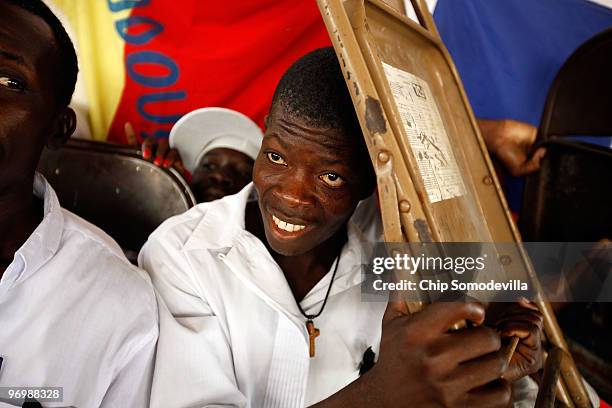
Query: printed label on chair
[[426, 135]]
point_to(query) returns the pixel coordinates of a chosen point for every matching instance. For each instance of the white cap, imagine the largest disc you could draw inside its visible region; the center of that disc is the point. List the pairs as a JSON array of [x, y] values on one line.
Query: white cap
[[205, 129]]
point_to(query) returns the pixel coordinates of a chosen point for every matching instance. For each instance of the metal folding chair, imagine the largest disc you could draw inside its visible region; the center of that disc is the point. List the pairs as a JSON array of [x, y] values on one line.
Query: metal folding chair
[[436, 182], [570, 198]]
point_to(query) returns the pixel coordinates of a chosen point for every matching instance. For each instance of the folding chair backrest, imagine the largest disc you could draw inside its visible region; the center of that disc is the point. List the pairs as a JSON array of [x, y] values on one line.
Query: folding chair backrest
[[570, 198], [113, 188], [435, 180], [580, 98]]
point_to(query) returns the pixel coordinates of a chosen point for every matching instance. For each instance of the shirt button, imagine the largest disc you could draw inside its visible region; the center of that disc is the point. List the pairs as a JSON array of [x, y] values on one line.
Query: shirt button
[[221, 256]]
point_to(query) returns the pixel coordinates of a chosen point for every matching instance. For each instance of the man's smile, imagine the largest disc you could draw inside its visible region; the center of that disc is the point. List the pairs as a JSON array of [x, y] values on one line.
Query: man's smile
[[286, 227]]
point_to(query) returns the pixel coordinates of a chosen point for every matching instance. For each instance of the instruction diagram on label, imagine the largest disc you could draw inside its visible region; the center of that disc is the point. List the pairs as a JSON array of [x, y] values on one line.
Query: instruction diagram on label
[[426, 135]]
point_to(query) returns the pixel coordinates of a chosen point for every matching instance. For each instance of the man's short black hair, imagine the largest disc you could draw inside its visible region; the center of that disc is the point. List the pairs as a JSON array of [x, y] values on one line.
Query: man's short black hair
[[67, 67], [313, 89]]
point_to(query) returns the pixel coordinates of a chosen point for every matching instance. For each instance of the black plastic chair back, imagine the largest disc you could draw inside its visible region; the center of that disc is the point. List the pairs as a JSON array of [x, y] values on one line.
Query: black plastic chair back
[[570, 199], [579, 101], [112, 187]]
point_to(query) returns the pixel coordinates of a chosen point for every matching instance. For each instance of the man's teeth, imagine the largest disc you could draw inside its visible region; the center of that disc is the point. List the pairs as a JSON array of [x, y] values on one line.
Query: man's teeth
[[285, 226]]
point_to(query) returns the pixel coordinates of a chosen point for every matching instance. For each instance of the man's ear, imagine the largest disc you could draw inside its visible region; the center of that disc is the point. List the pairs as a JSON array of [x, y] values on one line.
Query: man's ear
[[65, 125]]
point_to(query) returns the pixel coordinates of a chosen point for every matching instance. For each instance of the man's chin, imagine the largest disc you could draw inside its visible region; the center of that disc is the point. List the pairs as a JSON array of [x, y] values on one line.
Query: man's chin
[[284, 248], [211, 195]]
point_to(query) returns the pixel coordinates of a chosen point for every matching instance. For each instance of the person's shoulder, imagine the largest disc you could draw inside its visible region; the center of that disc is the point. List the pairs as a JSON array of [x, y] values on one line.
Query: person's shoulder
[[176, 230], [76, 228], [207, 225], [100, 263]]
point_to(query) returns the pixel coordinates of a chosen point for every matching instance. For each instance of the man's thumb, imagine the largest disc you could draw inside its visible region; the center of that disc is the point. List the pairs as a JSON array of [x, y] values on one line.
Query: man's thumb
[[396, 308]]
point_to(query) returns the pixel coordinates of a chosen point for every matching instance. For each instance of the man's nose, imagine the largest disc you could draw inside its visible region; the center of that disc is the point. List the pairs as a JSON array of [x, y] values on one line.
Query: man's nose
[[297, 190], [221, 179]]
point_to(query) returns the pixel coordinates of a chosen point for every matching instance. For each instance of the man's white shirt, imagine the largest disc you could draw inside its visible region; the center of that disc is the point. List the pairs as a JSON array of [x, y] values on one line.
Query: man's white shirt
[[75, 314], [231, 333]]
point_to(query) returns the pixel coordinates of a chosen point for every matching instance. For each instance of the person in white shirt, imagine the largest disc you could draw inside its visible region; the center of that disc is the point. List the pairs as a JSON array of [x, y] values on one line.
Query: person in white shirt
[[260, 297], [74, 313]]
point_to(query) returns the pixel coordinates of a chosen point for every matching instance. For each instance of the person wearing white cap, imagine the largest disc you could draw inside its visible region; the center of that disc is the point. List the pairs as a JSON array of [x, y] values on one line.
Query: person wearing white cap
[[217, 146]]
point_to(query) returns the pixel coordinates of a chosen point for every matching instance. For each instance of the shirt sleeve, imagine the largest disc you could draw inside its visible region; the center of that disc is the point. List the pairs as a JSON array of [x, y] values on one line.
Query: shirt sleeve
[[194, 364], [132, 386], [524, 392]]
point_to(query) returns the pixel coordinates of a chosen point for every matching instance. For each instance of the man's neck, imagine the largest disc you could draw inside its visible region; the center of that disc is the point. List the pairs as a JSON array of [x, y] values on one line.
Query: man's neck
[[303, 271], [20, 214]]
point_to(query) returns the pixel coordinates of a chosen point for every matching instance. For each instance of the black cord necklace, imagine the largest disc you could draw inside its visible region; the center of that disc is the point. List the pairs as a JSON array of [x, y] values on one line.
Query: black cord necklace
[[313, 332]]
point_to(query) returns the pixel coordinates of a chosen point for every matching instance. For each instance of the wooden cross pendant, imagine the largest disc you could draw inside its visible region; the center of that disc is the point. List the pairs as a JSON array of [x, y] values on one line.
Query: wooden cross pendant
[[313, 332]]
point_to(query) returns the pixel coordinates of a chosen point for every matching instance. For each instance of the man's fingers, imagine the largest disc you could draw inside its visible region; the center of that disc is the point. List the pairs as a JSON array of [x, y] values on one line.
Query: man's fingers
[[523, 331], [395, 309], [526, 303], [497, 314], [539, 154], [439, 317], [531, 317], [130, 134], [451, 350], [497, 394], [518, 311], [480, 371], [148, 146], [178, 164], [170, 159], [162, 149], [533, 164]]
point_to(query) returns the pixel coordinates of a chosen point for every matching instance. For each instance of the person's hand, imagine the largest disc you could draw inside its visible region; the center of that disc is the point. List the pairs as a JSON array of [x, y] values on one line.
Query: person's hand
[[423, 364], [511, 142], [522, 320], [157, 151]]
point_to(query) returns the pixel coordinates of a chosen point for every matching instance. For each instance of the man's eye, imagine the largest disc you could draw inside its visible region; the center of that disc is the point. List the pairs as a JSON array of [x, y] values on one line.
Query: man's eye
[[12, 84], [209, 166], [276, 158], [332, 180]]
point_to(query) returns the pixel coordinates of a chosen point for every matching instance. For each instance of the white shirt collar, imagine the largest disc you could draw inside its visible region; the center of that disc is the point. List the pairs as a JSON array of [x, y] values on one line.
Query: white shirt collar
[[225, 217], [44, 242], [222, 231]]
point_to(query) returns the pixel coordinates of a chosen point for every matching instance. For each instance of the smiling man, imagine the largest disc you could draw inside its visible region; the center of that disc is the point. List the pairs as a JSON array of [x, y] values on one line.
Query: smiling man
[[74, 313], [259, 292]]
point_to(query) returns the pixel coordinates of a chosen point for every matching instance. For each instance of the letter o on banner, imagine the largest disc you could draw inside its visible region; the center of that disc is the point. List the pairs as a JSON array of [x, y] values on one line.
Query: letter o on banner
[[153, 28], [120, 5], [145, 100], [156, 58]]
